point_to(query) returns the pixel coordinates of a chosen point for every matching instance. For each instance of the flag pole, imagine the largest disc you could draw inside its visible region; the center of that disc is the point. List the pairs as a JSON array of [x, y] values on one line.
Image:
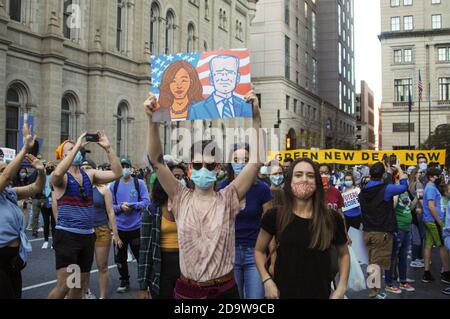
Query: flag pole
[[420, 98], [409, 120], [429, 115]]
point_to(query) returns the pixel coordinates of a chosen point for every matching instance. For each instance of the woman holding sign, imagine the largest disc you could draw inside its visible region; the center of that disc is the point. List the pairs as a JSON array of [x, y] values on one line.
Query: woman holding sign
[[352, 208]]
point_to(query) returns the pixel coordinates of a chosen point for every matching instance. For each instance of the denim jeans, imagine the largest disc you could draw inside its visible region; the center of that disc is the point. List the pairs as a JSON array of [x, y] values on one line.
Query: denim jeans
[[400, 248], [418, 235], [246, 274]]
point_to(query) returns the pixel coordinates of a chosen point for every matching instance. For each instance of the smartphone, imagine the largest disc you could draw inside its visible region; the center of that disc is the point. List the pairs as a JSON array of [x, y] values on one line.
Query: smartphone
[[92, 137], [35, 150], [393, 160]]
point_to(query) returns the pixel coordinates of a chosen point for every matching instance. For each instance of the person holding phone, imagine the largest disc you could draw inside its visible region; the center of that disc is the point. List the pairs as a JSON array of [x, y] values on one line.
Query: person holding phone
[[74, 240], [130, 198]]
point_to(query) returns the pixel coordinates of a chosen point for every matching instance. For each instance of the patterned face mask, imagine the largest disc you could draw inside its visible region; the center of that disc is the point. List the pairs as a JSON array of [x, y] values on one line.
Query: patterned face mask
[[303, 190]]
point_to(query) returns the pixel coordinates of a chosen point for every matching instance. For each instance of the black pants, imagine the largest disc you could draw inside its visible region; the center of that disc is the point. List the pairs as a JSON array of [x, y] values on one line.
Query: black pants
[[354, 222], [48, 218], [170, 272], [10, 273], [132, 239]]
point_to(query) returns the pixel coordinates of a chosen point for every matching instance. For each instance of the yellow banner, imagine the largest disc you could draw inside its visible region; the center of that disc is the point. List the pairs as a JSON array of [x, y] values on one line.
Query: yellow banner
[[334, 156]]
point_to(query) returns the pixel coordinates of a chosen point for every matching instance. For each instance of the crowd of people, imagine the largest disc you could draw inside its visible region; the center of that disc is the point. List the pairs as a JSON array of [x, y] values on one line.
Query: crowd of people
[[205, 229]]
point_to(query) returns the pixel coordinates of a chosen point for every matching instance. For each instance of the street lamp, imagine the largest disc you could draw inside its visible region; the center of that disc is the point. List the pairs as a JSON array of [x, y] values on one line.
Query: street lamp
[[277, 126]]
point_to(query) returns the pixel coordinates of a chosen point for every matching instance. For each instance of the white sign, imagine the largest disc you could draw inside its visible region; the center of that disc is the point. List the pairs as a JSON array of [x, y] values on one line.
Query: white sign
[[351, 199], [9, 154]]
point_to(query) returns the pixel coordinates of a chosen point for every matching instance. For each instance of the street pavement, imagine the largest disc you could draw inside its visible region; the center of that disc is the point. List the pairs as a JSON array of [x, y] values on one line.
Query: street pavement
[[39, 278]]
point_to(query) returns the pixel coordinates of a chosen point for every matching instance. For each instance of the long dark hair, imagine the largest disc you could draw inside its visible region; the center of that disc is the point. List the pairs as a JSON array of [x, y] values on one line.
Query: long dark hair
[[323, 223], [159, 195]]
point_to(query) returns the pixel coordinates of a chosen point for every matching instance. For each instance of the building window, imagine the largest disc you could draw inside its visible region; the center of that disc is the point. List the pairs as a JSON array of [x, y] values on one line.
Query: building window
[[13, 105], [306, 10], [120, 11], [15, 10], [435, 1], [295, 105], [395, 24], [286, 12], [436, 21], [444, 89], [288, 101], [154, 28], [314, 79], [297, 23], [395, 3], [407, 2], [287, 57], [408, 23], [191, 38], [407, 55], [170, 26], [397, 56], [340, 57], [313, 29], [444, 54], [122, 129], [402, 89], [297, 77], [339, 19], [65, 119], [67, 13], [297, 52]]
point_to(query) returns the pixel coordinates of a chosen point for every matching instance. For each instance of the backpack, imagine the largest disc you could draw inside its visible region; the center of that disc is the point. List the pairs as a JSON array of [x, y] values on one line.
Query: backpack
[[136, 186]]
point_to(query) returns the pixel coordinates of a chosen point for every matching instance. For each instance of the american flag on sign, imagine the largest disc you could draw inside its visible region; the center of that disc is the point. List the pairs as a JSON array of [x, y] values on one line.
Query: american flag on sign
[[420, 87], [200, 61]]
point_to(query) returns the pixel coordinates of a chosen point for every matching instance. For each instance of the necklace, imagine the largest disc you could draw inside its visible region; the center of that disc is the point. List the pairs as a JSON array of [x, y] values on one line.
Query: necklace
[[182, 111]]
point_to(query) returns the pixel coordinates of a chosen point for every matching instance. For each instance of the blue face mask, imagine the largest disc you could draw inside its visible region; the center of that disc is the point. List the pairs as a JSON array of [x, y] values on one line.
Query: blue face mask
[[23, 175], [277, 179], [183, 182], [204, 178], [126, 173], [348, 183], [237, 168], [78, 160]]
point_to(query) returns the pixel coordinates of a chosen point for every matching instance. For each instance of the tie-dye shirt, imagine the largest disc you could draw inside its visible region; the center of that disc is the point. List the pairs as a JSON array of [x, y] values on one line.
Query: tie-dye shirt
[[206, 238]]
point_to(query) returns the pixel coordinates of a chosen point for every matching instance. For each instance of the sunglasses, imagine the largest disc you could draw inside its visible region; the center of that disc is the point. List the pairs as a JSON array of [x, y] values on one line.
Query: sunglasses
[[83, 194], [209, 166]]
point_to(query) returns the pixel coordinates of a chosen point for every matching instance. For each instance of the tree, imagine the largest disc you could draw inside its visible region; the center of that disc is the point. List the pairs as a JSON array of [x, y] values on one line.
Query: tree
[[440, 140]]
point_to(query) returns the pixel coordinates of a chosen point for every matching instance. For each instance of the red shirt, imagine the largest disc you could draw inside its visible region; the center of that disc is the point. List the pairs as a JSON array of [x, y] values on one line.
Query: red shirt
[[334, 199]]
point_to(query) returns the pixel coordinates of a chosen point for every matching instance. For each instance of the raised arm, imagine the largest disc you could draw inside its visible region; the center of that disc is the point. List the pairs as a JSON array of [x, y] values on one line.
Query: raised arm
[[13, 167], [165, 176], [60, 171], [247, 177], [38, 186], [105, 177]]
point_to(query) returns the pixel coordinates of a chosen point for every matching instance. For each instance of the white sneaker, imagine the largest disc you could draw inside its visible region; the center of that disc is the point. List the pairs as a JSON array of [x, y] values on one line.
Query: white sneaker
[[45, 245], [130, 257], [416, 264], [90, 295], [40, 230]]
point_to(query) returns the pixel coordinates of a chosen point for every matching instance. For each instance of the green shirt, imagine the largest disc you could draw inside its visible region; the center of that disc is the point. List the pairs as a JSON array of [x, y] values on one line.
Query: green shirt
[[403, 212]]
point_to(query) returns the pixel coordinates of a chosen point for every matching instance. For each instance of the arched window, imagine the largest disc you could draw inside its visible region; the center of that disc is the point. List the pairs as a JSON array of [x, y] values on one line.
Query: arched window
[[206, 9], [170, 23], [191, 38], [121, 129], [154, 27], [13, 105], [68, 117], [205, 46], [221, 18]]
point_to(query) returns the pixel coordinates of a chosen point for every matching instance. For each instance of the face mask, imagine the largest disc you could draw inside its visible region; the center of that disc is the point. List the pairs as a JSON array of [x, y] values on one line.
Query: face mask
[[78, 160], [126, 173], [237, 168], [204, 178], [348, 183], [183, 182], [303, 190], [423, 166], [23, 175], [277, 180]]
